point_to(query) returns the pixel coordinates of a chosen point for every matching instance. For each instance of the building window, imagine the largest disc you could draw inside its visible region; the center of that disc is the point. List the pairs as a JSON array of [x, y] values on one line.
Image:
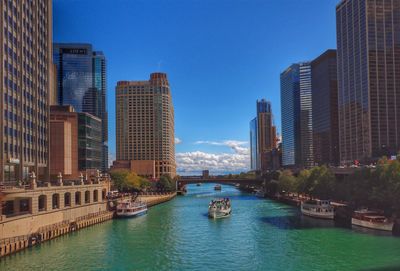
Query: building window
[[87, 197], [77, 198], [56, 201], [95, 196], [67, 199], [42, 203]]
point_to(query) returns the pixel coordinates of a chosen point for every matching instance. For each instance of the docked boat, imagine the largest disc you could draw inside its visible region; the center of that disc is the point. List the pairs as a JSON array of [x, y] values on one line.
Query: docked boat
[[198, 184], [219, 208], [218, 187], [260, 193], [371, 220], [318, 209], [130, 208]]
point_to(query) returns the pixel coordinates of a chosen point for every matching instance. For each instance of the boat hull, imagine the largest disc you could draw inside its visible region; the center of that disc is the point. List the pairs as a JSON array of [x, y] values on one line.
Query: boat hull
[[310, 211], [321, 215], [219, 214], [371, 225], [131, 214]]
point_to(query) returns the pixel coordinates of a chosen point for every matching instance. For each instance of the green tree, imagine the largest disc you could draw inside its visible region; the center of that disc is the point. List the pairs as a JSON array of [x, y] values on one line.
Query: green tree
[[302, 182], [118, 178], [126, 181], [287, 182], [166, 183], [321, 183]]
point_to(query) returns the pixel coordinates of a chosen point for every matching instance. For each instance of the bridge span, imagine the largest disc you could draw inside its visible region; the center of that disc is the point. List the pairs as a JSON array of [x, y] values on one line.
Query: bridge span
[[191, 180]]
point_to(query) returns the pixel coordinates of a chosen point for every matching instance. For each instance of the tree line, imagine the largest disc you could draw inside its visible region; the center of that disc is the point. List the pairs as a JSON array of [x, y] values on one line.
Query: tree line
[[377, 187], [128, 181]]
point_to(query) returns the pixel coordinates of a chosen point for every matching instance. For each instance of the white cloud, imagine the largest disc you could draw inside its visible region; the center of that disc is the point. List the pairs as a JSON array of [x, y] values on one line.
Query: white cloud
[[177, 141], [218, 163]]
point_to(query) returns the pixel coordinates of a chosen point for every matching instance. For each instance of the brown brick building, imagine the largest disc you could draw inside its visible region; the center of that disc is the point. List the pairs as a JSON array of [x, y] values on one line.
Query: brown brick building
[[145, 125], [64, 141]]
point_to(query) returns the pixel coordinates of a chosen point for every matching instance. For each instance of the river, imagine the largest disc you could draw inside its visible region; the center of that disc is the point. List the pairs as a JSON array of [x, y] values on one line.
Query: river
[[260, 235]]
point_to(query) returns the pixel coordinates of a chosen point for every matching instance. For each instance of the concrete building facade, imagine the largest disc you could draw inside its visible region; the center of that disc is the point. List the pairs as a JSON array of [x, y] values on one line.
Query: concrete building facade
[[64, 142], [325, 109], [25, 55], [145, 123]]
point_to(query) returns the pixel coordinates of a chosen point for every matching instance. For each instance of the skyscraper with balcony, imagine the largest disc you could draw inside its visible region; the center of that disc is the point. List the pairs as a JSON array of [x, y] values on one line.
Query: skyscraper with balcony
[[145, 125], [325, 109], [296, 112], [26, 31], [368, 58], [81, 82]]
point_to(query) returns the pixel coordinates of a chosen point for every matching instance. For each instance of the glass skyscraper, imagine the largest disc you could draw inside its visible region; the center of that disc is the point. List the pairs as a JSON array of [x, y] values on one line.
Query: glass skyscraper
[[81, 82], [262, 136], [296, 111], [253, 145]]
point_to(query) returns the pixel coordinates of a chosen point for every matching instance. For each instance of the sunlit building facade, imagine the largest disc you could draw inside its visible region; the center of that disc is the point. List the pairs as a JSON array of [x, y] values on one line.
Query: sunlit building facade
[[368, 59], [145, 125], [25, 55]]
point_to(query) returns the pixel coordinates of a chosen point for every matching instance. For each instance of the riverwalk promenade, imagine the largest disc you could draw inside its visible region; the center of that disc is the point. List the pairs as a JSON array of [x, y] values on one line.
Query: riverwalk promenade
[[70, 223]]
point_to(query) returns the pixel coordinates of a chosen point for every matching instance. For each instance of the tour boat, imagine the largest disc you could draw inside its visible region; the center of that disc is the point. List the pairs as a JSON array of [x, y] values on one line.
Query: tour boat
[[219, 208], [129, 208], [318, 209], [217, 187], [372, 220], [198, 184]]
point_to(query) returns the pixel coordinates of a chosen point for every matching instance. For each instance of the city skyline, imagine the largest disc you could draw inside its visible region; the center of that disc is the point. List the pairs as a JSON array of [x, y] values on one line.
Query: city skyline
[[198, 69]]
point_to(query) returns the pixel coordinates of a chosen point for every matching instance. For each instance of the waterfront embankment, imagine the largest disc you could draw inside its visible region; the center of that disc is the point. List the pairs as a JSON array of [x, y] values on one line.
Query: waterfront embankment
[[14, 244], [156, 198], [178, 235]]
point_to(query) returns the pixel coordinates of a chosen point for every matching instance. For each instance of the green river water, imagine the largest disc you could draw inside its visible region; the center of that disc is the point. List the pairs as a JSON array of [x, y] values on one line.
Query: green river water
[[260, 235]]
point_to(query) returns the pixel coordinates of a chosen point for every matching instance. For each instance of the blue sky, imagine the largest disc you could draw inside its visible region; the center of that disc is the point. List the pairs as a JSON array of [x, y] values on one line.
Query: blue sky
[[220, 56]]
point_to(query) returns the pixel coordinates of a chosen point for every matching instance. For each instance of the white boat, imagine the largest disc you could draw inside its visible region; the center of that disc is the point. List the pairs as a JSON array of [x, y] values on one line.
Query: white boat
[[318, 209], [260, 193], [217, 187], [371, 220], [219, 208], [129, 208]]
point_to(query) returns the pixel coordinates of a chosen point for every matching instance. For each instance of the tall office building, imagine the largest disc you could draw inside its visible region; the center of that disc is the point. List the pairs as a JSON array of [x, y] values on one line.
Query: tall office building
[[253, 145], [262, 136], [145, 125], [296, 111], [266, 137], [266, 134], [81, 82], [325, 109], [368, 58], [26, 31]]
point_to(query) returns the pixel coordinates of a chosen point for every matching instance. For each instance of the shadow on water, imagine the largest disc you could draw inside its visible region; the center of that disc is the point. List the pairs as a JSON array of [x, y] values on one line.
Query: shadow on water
[[297, 222], [388, 268], [371, 232]]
